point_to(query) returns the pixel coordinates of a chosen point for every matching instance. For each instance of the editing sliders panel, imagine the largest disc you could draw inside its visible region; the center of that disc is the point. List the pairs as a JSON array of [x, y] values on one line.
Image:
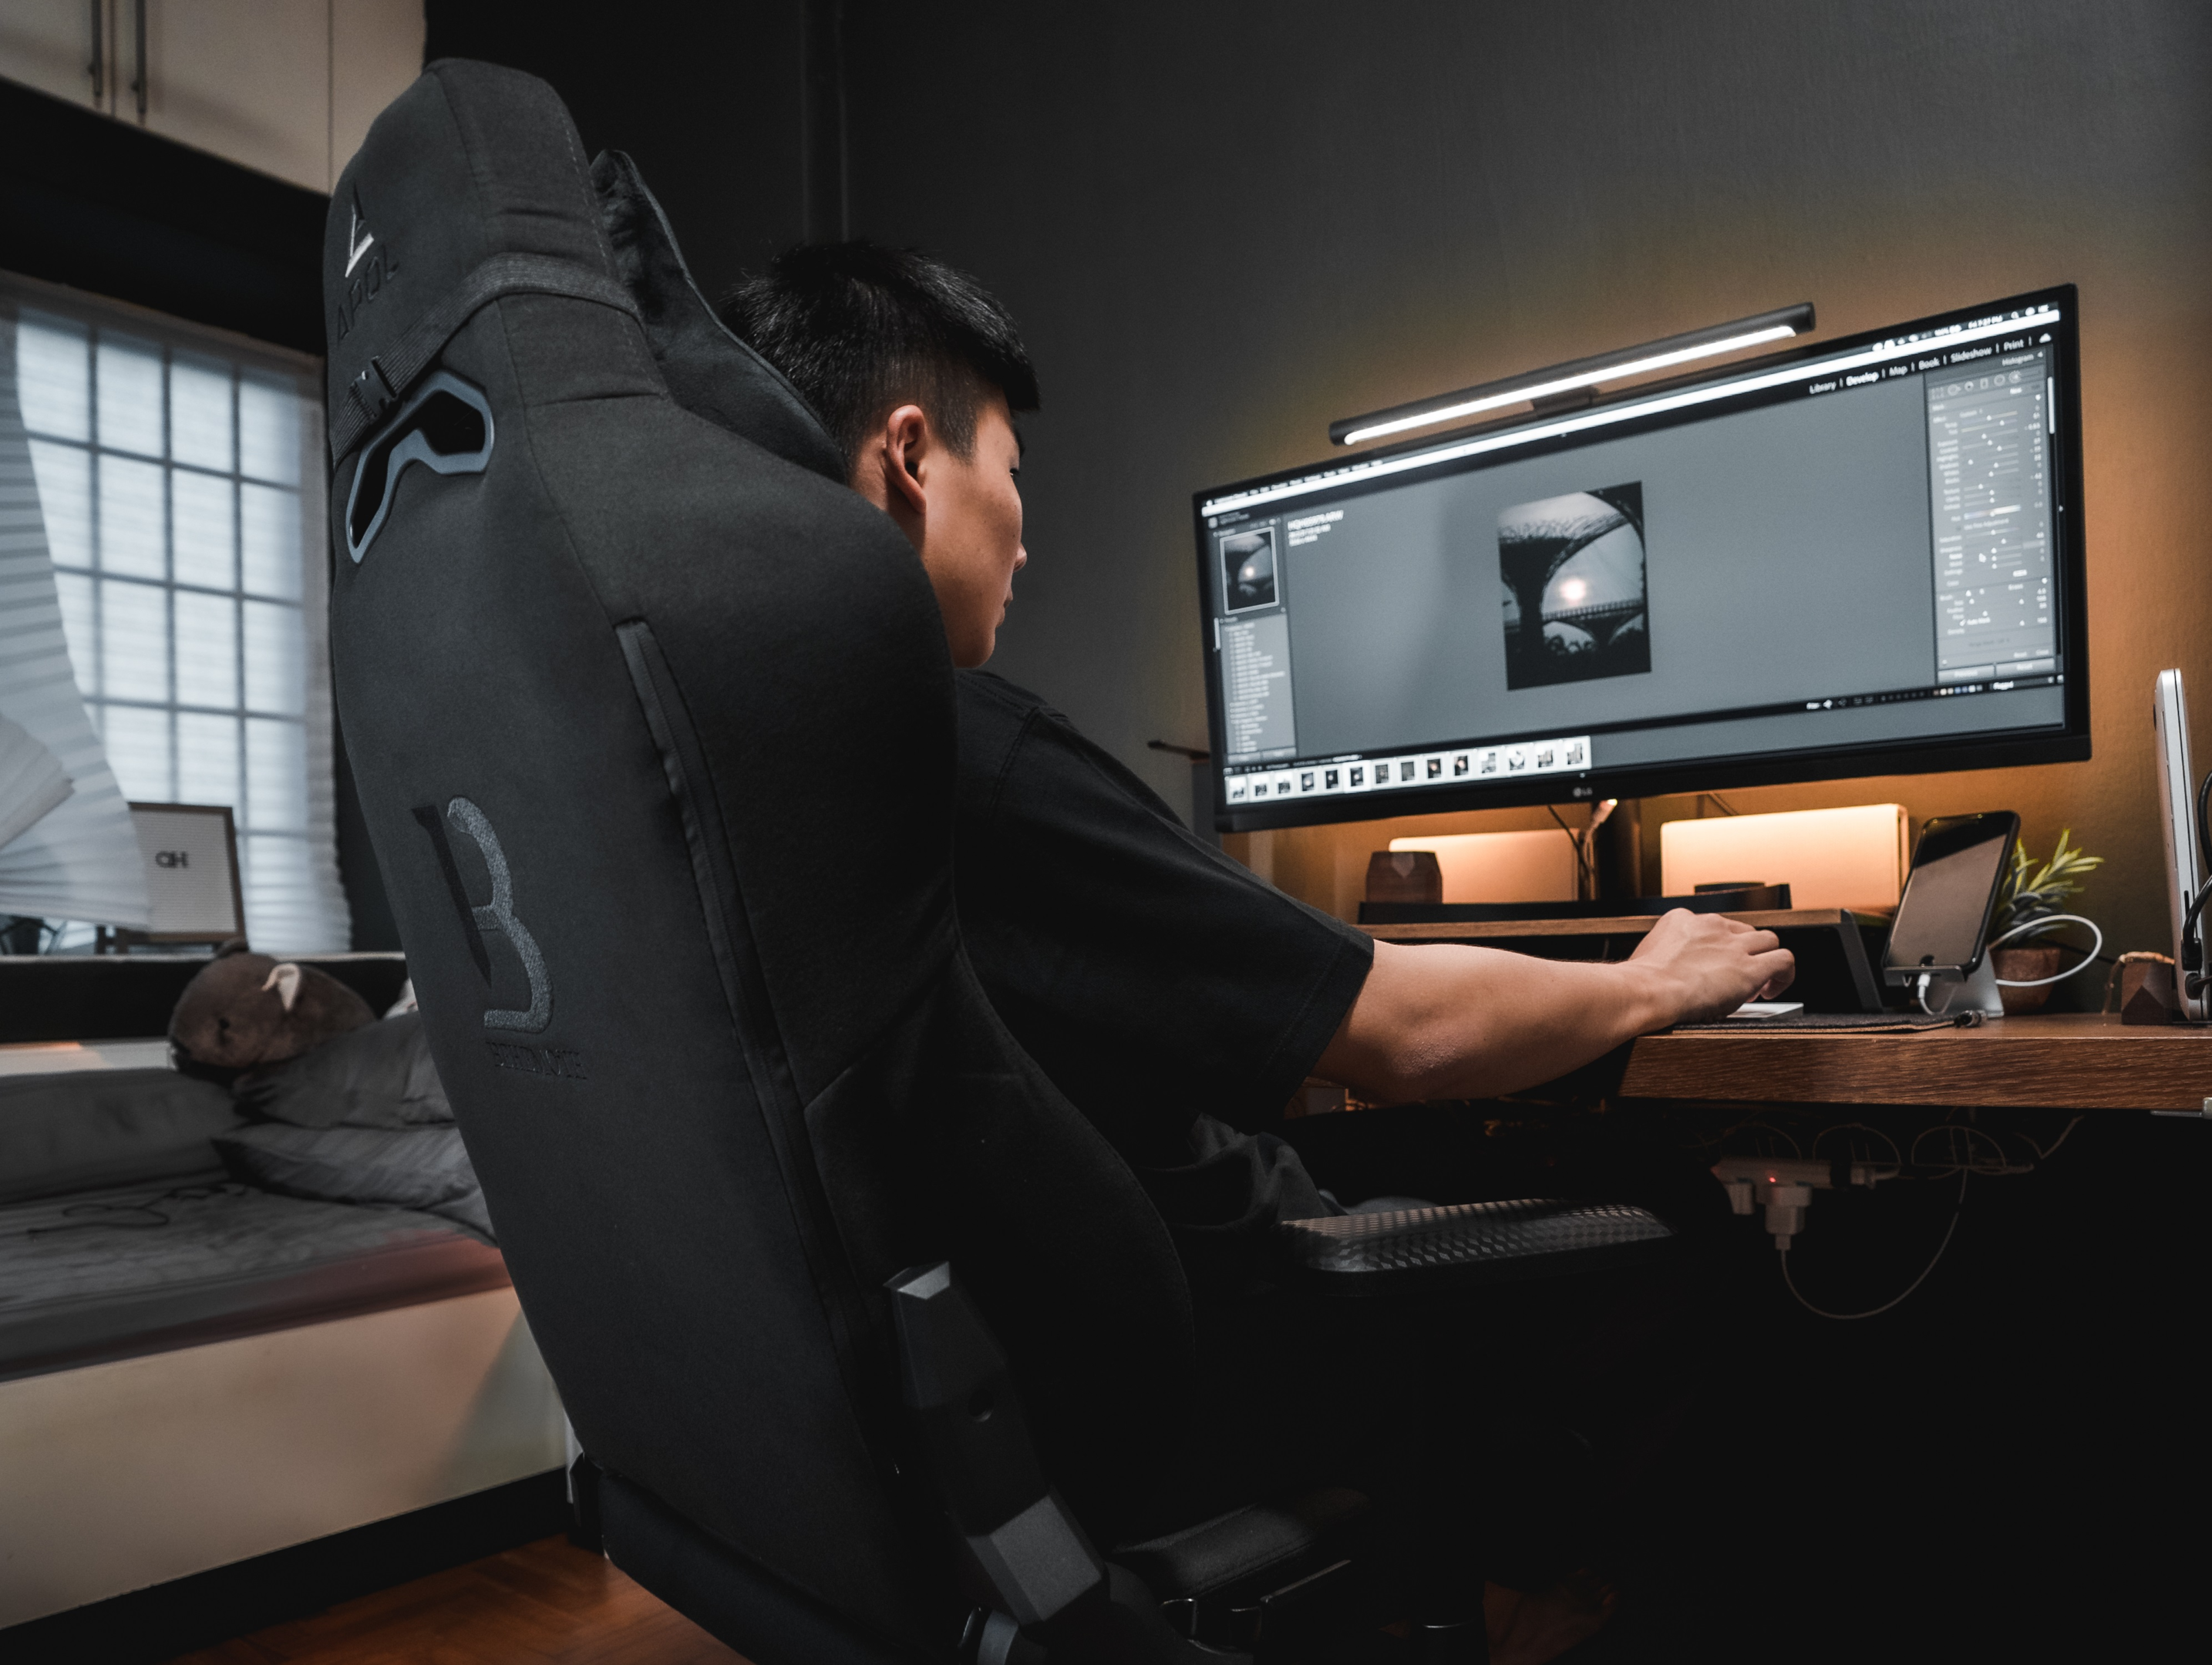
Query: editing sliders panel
[[1989, 482], [1567, 755]]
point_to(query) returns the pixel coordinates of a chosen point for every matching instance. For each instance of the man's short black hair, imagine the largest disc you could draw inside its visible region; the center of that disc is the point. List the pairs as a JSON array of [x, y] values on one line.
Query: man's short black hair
[[861, 329]]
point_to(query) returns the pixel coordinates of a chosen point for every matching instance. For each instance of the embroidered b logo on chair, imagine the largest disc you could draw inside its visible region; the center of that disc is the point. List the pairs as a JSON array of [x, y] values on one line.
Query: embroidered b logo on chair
[[496, 916]]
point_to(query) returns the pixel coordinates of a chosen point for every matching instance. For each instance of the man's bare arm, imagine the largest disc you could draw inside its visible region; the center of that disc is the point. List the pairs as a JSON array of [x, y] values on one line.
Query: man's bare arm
[[1449, 1021]]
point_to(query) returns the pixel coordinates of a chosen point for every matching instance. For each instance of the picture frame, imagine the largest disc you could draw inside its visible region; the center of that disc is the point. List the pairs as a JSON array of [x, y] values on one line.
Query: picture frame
[[191, 875]]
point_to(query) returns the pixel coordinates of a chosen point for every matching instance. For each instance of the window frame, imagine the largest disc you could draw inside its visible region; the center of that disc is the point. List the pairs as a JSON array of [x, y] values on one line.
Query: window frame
[[320, 911]]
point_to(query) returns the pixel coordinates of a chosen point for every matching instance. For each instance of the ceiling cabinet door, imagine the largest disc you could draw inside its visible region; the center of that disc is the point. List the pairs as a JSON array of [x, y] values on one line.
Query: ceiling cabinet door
[[53, 45], [247, 79], [376, 53], [286, 87]]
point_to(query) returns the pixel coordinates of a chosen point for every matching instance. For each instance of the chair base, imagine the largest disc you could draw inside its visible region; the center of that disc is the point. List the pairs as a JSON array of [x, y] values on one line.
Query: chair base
[[735, 1602]]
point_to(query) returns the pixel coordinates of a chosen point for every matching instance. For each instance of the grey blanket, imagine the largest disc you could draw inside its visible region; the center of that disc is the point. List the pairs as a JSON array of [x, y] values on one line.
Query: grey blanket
[[142, 1268]]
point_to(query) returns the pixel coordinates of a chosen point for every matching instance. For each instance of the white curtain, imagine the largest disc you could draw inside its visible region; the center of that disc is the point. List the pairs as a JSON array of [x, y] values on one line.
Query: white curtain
[[80, 861]]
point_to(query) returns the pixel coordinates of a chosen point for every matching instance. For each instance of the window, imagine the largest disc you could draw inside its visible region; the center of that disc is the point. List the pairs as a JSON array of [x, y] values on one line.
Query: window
[[181, 484]]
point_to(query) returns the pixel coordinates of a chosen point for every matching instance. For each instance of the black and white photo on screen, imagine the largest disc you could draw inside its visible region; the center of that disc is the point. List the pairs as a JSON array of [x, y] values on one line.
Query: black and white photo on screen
[[1573, 572], [1248, 570]]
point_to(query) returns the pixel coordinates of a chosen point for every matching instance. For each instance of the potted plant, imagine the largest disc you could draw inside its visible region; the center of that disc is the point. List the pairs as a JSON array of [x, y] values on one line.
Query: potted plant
[[2028, 893]]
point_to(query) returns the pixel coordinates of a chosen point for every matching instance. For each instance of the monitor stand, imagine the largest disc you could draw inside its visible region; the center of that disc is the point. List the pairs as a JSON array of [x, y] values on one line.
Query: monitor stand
[[1616, 854]]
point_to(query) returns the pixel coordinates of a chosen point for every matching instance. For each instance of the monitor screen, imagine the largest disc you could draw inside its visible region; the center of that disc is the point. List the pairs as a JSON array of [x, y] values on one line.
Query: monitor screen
[[1855, 558]]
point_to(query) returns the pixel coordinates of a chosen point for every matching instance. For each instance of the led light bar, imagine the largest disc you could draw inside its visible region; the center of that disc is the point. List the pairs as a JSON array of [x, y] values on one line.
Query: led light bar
[[1541, 385], [1445, 450]]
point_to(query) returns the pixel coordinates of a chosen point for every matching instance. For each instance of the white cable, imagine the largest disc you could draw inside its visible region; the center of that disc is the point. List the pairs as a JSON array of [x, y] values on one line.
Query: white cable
[[1920, 992], [2087, 960], [1876, 1312], [1967, 1163], [1896, 1156], [2047, 1155]]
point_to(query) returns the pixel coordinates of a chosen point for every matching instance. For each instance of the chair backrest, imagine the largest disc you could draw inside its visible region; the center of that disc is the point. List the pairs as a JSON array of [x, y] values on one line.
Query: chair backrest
[[653, 732]]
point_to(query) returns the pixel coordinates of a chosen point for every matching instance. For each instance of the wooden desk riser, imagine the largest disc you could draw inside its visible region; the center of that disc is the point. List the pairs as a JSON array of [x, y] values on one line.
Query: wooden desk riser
[[2063, 1061], [1504, 931]]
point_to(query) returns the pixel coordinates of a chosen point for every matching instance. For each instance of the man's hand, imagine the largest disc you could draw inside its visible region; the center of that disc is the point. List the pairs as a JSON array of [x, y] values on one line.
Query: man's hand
[[1453, 1022], [1703, 966]]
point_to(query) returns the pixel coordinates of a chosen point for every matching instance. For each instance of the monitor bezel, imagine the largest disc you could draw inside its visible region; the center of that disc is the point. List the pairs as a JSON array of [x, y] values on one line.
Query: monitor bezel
[[2068, 743]]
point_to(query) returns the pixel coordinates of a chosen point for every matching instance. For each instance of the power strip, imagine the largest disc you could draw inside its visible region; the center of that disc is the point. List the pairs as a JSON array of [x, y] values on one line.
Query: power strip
[[1784, 1186]]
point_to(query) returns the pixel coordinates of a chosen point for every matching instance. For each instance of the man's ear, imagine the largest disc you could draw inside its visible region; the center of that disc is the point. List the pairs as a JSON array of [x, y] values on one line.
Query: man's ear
[[908, 441]]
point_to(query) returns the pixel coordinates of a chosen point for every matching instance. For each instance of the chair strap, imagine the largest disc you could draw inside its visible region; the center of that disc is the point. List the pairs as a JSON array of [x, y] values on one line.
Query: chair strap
[[391, 373]]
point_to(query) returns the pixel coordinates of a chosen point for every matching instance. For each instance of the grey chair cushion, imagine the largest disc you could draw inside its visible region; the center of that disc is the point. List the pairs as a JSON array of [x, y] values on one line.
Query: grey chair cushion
[[424, 1168], [91, 1129], [380, 1076], [1466, 1242]]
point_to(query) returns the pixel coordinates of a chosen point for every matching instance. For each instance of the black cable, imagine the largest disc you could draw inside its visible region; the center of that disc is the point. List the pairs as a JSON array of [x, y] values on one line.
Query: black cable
[[2193, 978], [2191, 944], [106, 1214], [2203, 836], [1585, 874]]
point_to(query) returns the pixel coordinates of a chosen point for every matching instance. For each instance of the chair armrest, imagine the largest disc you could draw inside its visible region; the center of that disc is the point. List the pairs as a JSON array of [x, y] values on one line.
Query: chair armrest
[[1471, 1243]]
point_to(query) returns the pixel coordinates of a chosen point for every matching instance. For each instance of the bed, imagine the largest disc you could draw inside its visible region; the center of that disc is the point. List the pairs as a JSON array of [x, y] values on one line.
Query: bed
[[96, 1276], [195, 1370]]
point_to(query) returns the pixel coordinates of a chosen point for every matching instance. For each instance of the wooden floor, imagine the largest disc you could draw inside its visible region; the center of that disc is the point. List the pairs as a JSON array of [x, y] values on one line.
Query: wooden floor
[[547, 1603]]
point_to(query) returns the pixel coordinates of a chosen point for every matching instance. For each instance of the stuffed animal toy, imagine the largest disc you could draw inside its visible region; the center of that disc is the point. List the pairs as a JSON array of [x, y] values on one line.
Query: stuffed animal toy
[[245, 1008]]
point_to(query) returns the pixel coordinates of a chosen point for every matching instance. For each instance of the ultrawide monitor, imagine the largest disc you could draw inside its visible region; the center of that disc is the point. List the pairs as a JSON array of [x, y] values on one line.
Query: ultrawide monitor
[[1859, 558]]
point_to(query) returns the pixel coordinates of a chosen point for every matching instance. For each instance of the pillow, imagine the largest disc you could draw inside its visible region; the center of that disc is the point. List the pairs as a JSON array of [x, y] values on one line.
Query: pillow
[[379, 1076], [424, 1168], [89, 1130]]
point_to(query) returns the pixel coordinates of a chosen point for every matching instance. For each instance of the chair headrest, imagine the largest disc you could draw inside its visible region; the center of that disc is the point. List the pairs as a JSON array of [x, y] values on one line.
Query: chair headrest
[[709, 370], [471, 184]]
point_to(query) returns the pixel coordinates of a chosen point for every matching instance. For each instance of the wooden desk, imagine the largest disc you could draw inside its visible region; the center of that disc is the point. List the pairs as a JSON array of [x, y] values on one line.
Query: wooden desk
[[2068, 1061]]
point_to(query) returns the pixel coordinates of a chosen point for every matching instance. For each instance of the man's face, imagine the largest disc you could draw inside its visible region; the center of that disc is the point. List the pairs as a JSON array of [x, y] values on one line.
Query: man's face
[[964, 515], [972, 542]]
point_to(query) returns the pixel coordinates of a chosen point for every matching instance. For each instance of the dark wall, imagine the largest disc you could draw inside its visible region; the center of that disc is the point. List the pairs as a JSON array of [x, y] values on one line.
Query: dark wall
[[710, 101], [1221, 227]]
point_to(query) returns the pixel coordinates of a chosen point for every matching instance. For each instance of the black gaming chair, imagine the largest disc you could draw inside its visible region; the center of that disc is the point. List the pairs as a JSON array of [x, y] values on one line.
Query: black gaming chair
[[652, 726]]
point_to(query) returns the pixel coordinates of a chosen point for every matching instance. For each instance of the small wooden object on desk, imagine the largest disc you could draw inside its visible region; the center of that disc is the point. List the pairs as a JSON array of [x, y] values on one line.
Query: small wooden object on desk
[[2147, 996], [1404, 876]]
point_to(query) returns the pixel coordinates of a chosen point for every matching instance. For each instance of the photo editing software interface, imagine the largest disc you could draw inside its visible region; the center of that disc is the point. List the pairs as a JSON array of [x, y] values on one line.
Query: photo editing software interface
[[1851, 549]]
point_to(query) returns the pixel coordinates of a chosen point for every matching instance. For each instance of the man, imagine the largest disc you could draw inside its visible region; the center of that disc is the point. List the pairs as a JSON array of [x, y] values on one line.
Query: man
[[1171, 994], [1154, 979]]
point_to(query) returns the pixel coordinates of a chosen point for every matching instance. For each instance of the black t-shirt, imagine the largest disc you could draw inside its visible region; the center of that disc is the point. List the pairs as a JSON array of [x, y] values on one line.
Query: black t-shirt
[[1165, 989]]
